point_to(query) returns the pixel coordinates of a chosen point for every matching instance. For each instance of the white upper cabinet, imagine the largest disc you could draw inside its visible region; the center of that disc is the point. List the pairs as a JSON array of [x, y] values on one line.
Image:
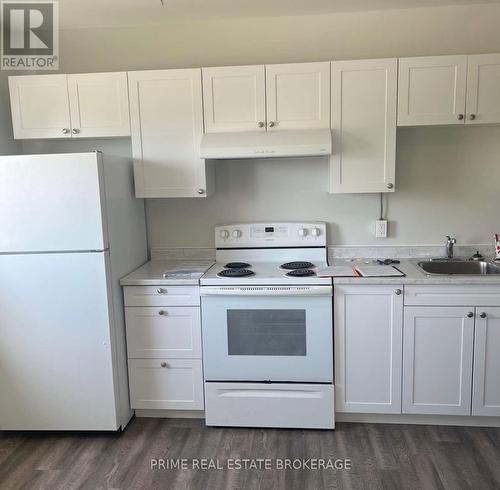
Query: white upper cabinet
[[486, 391], [432, 90], [40, 106], [234, 98], [99, 105], [64, 106], [483, 89], [368, 348], [298, 96], [364, 95], [166, 113], [437, 360]]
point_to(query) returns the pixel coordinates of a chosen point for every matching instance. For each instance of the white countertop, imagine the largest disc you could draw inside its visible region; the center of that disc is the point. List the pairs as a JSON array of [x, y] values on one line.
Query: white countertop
[[412, 276], [152, 273]]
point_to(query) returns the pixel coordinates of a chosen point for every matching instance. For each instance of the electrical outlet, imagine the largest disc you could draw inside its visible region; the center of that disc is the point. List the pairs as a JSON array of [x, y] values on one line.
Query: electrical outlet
[[381, 228]]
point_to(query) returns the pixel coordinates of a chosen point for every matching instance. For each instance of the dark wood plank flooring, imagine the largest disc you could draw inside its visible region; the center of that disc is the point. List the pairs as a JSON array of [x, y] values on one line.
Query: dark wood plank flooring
[[382, 457]]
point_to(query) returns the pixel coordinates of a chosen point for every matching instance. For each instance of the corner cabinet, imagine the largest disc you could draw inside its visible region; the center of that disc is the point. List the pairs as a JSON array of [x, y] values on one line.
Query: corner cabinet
[[364, 97], [166, 112], [91, 105], [368, 348], [267, 98], [449, 90]]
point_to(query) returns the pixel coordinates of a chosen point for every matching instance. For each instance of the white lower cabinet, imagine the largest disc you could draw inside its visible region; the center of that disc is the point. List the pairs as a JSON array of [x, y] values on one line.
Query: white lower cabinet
[[163, 332], [173, 384], [486, 382], [368, 348], [437, 360], [163, 327]]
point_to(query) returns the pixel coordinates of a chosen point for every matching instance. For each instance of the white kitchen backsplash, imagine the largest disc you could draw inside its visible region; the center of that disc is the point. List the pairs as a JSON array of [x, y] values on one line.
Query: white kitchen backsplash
[[368, 252]]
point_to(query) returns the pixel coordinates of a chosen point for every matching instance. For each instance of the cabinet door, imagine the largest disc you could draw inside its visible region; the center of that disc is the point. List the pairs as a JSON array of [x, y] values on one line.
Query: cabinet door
[[171, 384], [234, 99], [298, 96], [163, 332], [40, 106], [99, 105], [368, 348], [486, 391], [437, 360], [483, 89], [167, 125], [432, 90], [364, 97]]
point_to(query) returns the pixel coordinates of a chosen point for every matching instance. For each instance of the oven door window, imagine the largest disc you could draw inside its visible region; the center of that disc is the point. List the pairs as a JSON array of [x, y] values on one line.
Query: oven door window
[[266, 332]]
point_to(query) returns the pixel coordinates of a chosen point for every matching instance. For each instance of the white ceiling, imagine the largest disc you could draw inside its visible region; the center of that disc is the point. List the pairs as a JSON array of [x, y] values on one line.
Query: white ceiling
[[94, 13]]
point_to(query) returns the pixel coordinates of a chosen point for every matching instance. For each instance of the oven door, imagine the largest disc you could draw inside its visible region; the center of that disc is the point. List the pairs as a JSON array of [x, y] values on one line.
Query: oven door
[[267, 333]]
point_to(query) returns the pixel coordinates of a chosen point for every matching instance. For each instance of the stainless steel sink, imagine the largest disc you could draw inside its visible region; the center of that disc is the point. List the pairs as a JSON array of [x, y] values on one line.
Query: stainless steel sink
[[459, 267]]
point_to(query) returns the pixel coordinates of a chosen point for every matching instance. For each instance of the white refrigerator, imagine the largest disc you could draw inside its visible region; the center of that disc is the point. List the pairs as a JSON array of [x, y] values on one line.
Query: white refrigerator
[[70, 227]]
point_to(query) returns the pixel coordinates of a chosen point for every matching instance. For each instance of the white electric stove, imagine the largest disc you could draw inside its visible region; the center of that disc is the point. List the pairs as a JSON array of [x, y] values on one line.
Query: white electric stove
[[267, 327]]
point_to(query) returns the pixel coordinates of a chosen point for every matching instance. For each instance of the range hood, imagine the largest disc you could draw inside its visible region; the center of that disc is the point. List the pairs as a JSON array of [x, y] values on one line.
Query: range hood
[[266, 144]]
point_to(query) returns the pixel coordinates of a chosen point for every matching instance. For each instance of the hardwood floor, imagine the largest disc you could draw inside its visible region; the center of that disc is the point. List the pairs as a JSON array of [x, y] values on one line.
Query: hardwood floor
[[382, 457]]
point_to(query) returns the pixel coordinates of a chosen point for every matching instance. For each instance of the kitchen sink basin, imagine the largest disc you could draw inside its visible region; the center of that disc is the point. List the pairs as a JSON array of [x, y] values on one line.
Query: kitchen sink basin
[[459, 267]]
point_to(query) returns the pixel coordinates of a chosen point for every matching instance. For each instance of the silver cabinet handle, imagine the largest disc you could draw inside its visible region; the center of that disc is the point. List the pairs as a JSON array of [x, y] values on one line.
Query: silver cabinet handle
[[483, 315], [161, 291], [165, 365], [470, 314], [460, 117], [261, 124], [65, 131], [163, 313], [390, 185], [201, 191], [272, 124], [399, 292], [75, 131], [472, 117]]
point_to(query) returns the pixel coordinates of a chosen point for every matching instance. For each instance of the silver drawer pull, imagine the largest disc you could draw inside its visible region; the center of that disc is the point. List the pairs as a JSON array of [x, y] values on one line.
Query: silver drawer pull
[[163, 313], [161, 291], [164, 365], [398, 292]]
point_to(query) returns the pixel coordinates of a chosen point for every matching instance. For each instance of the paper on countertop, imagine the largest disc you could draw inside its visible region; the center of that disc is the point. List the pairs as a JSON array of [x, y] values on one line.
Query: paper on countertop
[[378, 271], [337, 271]]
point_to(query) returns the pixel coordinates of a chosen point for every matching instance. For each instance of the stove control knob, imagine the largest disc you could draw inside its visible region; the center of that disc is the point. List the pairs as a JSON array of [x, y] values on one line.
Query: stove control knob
[[236, 234], [224, 234], [303, 232], [315, 232]]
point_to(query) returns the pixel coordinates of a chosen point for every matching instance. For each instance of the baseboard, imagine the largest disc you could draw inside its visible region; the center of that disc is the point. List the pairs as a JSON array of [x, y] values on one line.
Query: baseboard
[[171, 414], [465, 420]]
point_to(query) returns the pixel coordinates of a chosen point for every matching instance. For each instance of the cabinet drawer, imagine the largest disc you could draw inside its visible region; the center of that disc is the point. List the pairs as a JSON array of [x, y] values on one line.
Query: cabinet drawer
[[464, 295], [171, 384], [163, 332], [270, 405], [162, 295]]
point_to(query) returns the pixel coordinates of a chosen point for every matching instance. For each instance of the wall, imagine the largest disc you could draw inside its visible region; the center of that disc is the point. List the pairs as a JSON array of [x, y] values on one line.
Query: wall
[[7, 143], [447, 177]]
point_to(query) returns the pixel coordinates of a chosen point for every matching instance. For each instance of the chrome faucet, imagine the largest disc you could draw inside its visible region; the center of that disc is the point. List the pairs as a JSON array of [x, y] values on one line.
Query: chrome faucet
[[449, 246]]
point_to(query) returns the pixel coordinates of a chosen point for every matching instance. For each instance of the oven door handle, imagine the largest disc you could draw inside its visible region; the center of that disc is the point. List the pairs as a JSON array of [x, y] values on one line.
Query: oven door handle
[[266, 291]]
